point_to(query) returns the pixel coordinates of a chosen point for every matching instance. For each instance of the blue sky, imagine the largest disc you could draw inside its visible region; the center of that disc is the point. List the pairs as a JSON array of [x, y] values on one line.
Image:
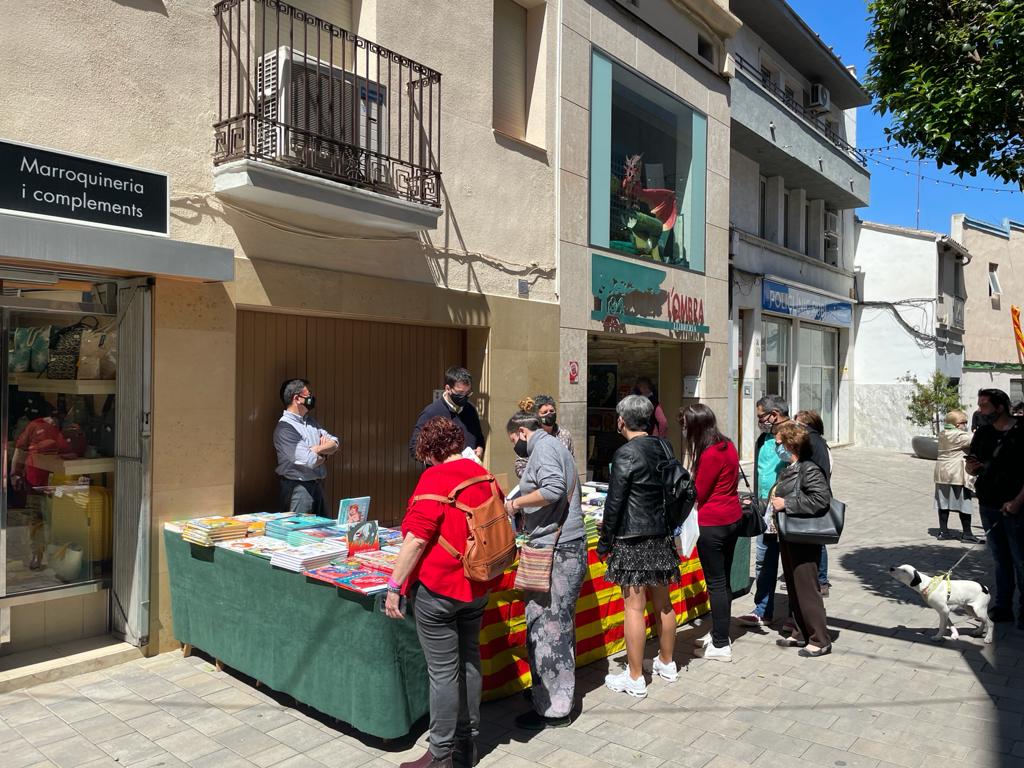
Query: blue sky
[[843, 25]]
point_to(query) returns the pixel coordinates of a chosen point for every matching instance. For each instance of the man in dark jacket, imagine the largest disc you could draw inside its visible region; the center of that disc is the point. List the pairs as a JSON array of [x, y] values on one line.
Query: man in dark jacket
[[454, 404]]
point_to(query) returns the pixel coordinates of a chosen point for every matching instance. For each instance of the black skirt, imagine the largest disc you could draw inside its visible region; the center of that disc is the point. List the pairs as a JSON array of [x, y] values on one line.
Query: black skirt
[[643, 562]]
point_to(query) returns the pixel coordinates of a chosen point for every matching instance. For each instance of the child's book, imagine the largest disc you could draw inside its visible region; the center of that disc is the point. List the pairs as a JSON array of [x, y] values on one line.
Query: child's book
[[363, 537], [352, 511]]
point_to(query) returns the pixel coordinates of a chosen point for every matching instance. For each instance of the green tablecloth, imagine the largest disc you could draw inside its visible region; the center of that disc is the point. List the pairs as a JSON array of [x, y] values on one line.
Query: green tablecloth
[[328, 648]]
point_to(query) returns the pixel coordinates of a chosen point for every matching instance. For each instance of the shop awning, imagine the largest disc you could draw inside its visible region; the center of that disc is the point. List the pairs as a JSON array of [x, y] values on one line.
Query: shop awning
[[36, 242]]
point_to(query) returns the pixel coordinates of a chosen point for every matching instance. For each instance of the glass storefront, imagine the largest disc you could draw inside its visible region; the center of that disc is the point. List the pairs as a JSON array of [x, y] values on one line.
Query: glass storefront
[[775, 357], [59, 419], [648, 169], [818, 353]]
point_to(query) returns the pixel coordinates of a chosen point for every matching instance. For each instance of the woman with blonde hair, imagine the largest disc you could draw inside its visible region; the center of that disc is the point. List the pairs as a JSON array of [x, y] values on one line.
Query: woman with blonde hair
[[952, 483]]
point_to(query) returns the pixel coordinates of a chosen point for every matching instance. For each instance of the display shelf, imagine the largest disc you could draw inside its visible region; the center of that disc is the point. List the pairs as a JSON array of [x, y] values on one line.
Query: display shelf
[[53, 463], [32, 382]]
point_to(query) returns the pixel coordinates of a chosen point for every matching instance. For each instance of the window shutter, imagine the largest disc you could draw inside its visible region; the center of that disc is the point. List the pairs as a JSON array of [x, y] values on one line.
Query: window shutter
[[510, 68]]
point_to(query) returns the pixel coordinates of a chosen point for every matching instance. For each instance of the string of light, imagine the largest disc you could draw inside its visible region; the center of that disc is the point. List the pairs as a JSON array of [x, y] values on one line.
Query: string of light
[[954, 184]]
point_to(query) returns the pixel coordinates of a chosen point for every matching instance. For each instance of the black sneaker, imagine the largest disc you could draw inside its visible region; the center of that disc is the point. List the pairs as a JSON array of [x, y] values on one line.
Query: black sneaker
[[943, 535], [970, 538], [531, 721]]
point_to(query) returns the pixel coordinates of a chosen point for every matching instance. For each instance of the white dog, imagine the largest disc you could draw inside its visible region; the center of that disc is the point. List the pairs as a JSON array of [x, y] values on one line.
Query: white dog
[[942, 595]]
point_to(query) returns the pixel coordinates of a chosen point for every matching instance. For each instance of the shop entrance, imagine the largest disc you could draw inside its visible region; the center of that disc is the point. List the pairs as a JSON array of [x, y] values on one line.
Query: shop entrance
[[371, 381]]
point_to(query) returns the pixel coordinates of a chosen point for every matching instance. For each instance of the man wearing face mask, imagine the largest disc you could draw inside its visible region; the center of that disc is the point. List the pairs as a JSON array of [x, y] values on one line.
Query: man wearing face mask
[[454, 404], [302, 447]]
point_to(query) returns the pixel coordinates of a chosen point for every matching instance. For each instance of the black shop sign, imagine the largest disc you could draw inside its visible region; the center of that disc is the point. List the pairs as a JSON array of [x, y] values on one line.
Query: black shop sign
[[55, 185]]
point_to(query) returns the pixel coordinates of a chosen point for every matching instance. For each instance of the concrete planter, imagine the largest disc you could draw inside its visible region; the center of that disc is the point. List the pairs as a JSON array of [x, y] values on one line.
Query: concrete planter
[[925, 447]]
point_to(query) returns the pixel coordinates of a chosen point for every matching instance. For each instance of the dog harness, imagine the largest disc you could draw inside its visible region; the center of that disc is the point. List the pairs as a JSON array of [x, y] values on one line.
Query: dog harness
[[936, 580]]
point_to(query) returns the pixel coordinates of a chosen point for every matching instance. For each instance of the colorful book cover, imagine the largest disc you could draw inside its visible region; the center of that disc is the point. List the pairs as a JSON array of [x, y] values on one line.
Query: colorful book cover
[[355, 510], [363, 537], [378, 560], [352, 576]]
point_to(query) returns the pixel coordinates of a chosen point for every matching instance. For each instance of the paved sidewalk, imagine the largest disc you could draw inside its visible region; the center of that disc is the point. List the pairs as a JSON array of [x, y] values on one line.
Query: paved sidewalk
[[887, 696]]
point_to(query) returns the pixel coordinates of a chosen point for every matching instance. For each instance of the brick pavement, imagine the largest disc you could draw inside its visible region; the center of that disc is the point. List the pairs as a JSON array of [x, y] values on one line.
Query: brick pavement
[[886, 697]]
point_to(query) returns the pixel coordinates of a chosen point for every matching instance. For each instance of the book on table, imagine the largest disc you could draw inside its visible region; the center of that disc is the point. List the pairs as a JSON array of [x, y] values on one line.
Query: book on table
[[351, 575]]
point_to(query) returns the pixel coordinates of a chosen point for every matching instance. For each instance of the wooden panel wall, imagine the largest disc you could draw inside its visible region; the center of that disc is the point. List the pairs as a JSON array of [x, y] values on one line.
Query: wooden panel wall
[[371, 380]]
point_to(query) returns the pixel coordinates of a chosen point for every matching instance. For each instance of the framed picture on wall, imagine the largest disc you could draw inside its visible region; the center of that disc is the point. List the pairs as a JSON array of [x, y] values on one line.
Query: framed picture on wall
[[602, 385]]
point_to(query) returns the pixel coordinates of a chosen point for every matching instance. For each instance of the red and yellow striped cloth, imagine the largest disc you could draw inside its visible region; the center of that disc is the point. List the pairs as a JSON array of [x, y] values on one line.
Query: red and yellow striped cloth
[[598, 623]]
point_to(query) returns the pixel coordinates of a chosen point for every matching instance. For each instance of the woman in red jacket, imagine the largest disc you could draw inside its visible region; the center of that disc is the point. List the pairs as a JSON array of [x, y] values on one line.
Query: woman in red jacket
[[715, 469], [448, 607]]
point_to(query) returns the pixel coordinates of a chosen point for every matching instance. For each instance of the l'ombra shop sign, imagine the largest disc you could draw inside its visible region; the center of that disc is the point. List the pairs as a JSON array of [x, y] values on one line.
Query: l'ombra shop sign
[[56, 185], [626, 293]]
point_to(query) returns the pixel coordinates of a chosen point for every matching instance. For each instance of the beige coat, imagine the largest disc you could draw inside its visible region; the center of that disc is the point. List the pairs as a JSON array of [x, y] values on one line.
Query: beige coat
[[953, 447]]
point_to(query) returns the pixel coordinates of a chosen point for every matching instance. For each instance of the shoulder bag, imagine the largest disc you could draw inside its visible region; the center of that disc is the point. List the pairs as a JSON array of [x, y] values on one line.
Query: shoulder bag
[[535, 563], [753, 522], [823, 528]]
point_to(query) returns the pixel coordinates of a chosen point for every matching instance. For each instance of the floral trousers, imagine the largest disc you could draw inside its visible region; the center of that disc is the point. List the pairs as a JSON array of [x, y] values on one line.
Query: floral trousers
[[551, 631]]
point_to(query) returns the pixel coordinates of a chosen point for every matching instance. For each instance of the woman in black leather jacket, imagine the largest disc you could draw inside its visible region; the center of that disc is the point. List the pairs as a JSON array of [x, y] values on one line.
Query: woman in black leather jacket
[[802, 489], [637, 540]]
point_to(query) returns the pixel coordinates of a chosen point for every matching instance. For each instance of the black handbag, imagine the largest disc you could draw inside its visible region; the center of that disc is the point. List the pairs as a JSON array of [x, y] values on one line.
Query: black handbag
[[753, 522], [826, 528]]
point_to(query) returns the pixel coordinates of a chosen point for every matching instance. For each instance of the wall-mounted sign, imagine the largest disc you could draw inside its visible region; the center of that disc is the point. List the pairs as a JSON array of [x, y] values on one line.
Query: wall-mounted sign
[[626, 293], [55, 185], [796, 302], [574, 371]]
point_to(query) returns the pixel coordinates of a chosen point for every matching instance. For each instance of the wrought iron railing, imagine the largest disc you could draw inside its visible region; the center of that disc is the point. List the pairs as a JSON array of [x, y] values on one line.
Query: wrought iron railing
[[789, 102], [302, 93]]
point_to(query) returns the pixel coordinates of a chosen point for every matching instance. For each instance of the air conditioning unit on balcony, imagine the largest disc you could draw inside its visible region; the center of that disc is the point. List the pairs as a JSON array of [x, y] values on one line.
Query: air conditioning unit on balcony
[[300, 98], [831, 223], [821, 101]]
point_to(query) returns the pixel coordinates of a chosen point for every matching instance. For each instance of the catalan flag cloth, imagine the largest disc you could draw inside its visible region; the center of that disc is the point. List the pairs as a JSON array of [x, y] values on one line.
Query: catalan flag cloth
[[599, 617], [1015, 316]]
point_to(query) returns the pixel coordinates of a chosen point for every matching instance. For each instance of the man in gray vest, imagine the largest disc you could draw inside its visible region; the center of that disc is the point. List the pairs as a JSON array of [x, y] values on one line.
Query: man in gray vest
[[302, 447]]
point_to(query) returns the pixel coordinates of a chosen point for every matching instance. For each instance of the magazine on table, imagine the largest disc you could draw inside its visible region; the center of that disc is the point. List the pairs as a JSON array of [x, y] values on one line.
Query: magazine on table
[[354, 511]]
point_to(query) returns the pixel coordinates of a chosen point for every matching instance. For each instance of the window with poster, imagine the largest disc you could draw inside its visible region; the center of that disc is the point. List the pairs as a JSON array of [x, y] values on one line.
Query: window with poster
[[648, 173]]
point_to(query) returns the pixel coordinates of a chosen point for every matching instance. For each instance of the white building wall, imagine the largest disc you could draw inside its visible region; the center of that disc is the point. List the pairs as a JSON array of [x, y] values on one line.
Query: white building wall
[[744, 192]]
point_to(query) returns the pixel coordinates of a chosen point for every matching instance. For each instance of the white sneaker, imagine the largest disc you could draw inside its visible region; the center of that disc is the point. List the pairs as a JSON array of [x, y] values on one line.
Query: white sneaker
[[623, 683], [669, 672], [718, 654], [703, 642], [751, 620]]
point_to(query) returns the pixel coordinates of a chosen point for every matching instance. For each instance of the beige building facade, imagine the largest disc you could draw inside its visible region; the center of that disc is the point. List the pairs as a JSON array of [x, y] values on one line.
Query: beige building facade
[[359, 197], [994, 282]]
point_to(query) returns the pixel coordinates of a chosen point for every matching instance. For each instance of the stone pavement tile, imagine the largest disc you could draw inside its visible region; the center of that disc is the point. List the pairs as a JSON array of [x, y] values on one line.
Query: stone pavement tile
[[23, 710], [188, 745], [211, 721], [265, 718], [824, 736], [75, 708], [72, 752], [18, 753], [225, 759], [273, 756], [157, 724], [161, 760], [726, 761], [769, 759], [808, 715], [822, 756], [183, 705], [103, 762], [299, 736], [576, 741], [564, 758], [131, 748], [769, 720], [128, 707], [340, 753], [245, 740], [151, 686], [527, 747], [893, 753], [775, 741], [625, 736], [299, 761], [45, 730], [201, 683], [626, 757], [682, 733], [102, 728], [610, 713], [721, 745], [716, 723], [231, 700]]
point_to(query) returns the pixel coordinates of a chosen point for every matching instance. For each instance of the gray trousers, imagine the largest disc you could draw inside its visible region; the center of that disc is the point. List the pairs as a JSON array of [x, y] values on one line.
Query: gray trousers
[[303, 497], [551, 631], [449, 632]]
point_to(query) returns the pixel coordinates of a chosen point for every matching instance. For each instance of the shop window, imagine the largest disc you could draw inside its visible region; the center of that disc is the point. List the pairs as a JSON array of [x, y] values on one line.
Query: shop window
[[518, 91], [818, 354], [648, 169], [775, 357]]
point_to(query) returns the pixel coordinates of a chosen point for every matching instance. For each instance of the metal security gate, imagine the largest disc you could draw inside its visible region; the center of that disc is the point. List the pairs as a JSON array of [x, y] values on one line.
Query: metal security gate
[[130, 582]]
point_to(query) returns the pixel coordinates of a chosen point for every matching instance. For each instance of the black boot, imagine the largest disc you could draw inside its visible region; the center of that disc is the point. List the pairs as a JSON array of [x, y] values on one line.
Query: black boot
[[465, 755], [943, 525], [429, 761], [968, 536]]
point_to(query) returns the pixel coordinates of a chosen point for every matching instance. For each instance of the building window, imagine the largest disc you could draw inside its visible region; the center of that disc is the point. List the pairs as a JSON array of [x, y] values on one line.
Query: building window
[[995, 289], [648, 172], [518, 91], [775, 357], [762, 206], [833, 237], [705, 49], [818, 356]]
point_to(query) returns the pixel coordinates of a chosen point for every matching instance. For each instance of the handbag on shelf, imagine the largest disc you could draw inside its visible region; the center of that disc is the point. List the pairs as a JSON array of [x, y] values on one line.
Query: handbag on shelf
[[97, 353], [65, 347], [753, 522], [535, 563]]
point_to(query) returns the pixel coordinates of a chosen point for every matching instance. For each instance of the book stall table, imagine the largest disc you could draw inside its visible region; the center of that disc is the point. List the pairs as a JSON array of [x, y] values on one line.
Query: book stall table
[[333, 649]]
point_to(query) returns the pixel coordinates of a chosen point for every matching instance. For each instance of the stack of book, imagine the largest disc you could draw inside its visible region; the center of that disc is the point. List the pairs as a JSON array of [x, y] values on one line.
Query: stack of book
[[316, 535], [258, 520], [207, 531], [594, 495], [306, 557], [389, 537], [378, 560], [351, 575], [256, 545], [280, 528]]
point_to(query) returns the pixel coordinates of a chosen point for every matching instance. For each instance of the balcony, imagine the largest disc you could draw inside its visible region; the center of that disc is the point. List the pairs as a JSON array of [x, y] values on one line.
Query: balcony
[[316, 122], [789, 140]]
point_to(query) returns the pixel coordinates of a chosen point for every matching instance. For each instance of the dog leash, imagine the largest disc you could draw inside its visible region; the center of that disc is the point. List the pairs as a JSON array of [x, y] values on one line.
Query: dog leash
[[947, 576]]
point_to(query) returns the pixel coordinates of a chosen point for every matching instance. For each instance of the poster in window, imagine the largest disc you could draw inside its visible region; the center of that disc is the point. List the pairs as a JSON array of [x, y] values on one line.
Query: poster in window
[[602, 385]]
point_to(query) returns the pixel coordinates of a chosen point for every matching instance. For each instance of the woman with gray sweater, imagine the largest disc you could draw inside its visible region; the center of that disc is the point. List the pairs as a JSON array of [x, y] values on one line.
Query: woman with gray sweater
[[548, 511]]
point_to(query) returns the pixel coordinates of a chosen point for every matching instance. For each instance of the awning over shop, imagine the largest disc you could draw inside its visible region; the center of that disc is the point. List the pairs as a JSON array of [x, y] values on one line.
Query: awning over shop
[[29, 241]]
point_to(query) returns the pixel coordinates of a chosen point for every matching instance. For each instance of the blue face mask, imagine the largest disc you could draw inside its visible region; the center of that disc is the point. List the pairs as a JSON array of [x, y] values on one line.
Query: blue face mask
[[782, 453]]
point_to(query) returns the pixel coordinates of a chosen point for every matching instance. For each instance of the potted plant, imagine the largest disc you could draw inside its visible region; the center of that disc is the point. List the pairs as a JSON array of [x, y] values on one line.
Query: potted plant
[[930, 401]]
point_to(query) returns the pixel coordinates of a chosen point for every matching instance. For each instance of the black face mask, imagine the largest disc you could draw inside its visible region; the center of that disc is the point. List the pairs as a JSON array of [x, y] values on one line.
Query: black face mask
[[520, 449], [548, 420], [458, 399], [309, 401]]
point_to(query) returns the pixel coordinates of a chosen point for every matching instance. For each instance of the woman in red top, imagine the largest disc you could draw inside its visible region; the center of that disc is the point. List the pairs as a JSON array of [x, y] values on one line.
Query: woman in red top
[[716, 469], [447, 606]]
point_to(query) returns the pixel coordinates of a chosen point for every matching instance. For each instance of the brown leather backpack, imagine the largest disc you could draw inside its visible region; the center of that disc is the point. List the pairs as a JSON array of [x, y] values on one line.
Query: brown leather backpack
[[491, 541]]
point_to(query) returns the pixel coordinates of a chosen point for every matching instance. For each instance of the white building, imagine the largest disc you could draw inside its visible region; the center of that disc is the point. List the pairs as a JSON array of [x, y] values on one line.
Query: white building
[[909, 323], [795, 180]]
